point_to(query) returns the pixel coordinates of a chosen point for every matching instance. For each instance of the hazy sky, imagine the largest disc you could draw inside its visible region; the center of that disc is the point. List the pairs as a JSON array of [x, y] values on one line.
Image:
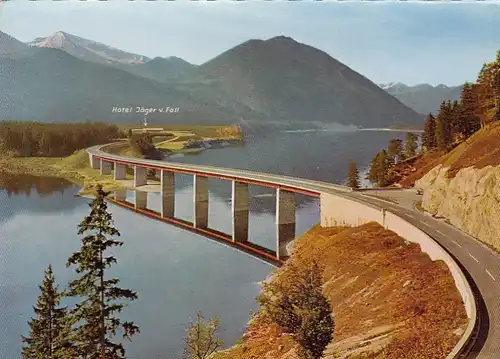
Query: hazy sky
[[384, 41]]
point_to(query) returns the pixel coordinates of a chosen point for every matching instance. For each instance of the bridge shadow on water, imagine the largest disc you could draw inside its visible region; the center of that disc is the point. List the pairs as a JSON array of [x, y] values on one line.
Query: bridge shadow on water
[[261, 243]]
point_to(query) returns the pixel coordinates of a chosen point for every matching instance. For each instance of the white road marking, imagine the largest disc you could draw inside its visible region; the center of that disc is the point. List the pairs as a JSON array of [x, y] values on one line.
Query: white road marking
[[428, 225], [378, 199], [409, 215], [441, 233], [474, 258], [491, 275], [458, 244]]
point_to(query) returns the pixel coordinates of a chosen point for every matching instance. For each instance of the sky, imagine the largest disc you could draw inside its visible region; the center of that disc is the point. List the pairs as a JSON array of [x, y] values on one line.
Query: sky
[[408, 42]]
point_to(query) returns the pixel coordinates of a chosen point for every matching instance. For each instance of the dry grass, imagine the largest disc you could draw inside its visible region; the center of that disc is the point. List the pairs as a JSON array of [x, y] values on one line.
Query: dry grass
[[481, 150], [411, 172], [198, 130], [74, 168], [389, 299]]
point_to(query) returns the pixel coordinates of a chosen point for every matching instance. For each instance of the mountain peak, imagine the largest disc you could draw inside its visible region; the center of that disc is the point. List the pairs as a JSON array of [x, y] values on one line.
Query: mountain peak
[[281, 38], [88, 50]]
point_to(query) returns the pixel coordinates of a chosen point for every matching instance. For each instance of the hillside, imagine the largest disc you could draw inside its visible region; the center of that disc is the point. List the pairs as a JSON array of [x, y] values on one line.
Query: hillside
[[51, 85], [160, 69], [423, 98], [389, 299], [278, 81], [10, 46], [289, 81], [463, 186]]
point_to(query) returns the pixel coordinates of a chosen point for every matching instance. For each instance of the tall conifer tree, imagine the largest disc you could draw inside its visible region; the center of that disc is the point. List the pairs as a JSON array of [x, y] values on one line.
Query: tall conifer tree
[[429, 135], [443, 127], [353, 175], [101, 297], [48, 335], [411, 145], [468, 121]]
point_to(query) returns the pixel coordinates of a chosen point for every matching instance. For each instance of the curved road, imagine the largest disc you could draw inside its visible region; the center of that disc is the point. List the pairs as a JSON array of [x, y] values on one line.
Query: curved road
[[480, 264]]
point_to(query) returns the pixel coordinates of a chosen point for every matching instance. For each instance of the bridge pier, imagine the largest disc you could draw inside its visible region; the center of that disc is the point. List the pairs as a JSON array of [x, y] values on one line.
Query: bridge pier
[[141, 199], [200, 199], [140, 176], [105, 167], [95, 163], [239, 204], [285, 221], [120, 195], [167, 179], [120, 171]]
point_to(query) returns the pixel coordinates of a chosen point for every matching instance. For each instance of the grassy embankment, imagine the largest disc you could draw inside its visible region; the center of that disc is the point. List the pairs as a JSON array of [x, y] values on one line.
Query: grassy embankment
[[478, 151], [389, 299], [76, 167], [175, 138]]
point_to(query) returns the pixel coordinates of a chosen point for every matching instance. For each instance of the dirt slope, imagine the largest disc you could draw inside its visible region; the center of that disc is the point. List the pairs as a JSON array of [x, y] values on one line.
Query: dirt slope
[[389, 299]]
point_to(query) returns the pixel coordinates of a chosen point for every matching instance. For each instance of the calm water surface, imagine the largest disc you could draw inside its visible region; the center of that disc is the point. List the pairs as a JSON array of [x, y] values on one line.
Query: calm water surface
[[174, 272]]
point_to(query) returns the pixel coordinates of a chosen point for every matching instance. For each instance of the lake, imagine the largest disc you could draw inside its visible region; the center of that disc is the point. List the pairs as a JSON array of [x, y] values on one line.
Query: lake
[[174, 272]]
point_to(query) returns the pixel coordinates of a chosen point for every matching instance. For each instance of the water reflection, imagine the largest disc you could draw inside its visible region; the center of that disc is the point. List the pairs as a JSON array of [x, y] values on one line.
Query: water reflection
[[25, 193], [15, 184]]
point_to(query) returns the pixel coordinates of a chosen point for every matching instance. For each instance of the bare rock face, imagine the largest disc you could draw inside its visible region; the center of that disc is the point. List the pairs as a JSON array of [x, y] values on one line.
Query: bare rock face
[[470, 200]]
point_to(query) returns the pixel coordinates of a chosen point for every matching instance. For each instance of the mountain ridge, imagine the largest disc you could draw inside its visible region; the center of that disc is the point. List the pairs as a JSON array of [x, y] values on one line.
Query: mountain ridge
[[277, 80], [86, 49], [423, 98]]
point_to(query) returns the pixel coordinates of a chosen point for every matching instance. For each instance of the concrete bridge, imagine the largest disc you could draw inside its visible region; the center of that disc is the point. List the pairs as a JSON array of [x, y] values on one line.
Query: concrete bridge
[[339, 205]]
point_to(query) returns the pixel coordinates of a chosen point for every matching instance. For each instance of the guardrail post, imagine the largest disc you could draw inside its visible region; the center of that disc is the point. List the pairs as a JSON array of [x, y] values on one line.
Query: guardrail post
[[239, 204], [200, 199], [140, 178], [105, 167], [120, 171], [285, 221], [167, 179], [141, 199]]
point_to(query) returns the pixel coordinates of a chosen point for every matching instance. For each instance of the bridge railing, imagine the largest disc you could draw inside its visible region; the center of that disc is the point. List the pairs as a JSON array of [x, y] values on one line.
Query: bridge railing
[[338, 208]]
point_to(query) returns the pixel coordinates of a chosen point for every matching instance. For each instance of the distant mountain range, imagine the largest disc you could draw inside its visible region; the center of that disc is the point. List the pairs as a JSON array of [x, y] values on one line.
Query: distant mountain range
[[68, 78], [423, 98]]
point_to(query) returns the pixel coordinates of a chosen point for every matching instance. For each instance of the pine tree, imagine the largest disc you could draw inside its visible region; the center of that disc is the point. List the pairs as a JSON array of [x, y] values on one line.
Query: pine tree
[[395, 151], [48, 334], [382, 169], [353, 175], [379, 168], [468, 121], [454, 119], [411, 145], [429, 135], [372, 174], [297, 304], [443, 127], [28, 147], [101, 298]]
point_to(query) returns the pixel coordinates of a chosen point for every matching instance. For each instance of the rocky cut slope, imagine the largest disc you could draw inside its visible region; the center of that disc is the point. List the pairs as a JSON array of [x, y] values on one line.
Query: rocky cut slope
[[464, 187]]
